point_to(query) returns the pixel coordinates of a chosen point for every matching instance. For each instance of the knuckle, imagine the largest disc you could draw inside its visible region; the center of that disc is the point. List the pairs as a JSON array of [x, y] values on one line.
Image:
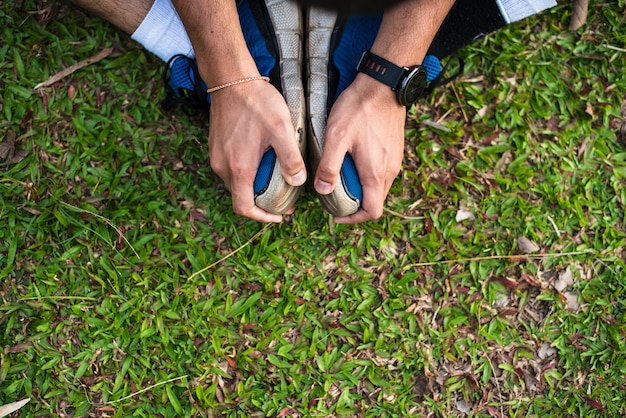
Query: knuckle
[[239, 209], [280, 126], [217, 165], [326, 173], [334, 133], [376, 212], [379, 173], [238, 169]]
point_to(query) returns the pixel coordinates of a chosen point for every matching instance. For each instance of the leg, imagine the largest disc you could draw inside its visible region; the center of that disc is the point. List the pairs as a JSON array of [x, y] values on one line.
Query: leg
[[125, 14], [155, 24]]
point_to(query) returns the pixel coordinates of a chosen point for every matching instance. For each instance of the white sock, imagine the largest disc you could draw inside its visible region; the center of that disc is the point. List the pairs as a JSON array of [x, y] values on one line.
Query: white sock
[[514, 10], [162, 32]]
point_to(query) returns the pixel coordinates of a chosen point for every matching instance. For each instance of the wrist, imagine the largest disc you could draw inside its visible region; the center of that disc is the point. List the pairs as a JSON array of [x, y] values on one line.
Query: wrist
[[223, 71], [375, 92]]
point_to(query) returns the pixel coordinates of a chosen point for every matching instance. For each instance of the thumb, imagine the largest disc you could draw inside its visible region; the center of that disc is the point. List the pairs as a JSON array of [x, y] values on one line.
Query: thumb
[[290, 157], [327, 173]]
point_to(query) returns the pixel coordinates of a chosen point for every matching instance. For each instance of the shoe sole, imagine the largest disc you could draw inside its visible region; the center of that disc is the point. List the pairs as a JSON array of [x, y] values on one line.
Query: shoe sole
[[346, 198], [272, 193]]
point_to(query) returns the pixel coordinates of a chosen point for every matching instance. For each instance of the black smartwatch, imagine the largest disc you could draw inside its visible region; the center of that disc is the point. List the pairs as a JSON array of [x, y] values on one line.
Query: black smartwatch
[[407, 82]]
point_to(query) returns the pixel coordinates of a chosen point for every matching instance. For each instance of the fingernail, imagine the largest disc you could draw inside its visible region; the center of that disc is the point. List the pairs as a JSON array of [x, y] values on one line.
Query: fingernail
[[299, 178], [322, 187]]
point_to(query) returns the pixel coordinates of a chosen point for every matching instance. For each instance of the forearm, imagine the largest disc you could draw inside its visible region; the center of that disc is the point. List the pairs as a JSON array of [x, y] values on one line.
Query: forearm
[[215, 33], [408, 29], [406, 32]]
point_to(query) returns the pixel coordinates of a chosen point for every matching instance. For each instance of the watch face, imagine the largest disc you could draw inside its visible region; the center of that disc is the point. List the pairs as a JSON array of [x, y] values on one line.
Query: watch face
[[412, 86]]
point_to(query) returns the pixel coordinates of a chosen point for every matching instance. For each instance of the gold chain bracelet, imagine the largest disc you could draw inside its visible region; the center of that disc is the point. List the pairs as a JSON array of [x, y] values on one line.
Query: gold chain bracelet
[[233, 83]]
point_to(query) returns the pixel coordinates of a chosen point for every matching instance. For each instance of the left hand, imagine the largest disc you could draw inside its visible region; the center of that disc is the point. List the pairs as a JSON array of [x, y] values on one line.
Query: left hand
[[368, 122]]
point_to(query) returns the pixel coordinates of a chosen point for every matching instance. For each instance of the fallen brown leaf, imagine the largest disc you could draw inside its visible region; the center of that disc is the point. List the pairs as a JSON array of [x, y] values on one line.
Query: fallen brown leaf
[[565, 280], [526, 245]]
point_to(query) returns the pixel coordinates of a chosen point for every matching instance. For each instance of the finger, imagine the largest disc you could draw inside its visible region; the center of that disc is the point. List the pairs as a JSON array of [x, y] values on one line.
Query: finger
[[372, 208], [245, 207], [285, 145], [243, 202], [327, 172]]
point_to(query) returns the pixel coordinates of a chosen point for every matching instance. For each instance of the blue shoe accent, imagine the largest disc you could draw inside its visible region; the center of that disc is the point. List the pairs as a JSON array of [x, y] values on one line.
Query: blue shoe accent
[[264, 173], [182, 75], [433, 67], [350, 178]]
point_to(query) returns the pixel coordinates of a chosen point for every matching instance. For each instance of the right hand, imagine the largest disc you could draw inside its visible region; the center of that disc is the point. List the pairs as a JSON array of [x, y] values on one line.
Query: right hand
[[246, 120]]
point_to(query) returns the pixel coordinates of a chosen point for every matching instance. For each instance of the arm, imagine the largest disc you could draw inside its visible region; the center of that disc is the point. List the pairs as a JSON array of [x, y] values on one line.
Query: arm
[[246, 119], [366, 120]]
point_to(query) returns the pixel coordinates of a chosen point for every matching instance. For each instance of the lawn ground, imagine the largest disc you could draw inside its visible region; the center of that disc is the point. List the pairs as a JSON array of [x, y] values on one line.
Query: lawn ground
[[492, 287]]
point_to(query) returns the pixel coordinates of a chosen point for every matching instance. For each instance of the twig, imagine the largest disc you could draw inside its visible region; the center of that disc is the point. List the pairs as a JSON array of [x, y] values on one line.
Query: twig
[[460, 103], [69, 70], [498, 257], [615, 48], [232, 253], [394, 213], [147, 389], [437, 126], [58, 298], [556, 228], [108, 222]]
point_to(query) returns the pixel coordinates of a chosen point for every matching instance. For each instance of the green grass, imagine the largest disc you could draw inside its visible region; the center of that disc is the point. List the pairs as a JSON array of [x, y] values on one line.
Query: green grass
[[128, 287]]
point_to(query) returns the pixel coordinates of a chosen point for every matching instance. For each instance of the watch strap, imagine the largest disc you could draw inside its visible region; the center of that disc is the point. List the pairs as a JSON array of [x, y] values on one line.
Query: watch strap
[[382, 70]]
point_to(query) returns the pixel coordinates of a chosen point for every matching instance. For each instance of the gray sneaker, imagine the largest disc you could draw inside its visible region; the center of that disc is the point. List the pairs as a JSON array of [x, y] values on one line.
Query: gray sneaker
[[334, 46], [279, 22]]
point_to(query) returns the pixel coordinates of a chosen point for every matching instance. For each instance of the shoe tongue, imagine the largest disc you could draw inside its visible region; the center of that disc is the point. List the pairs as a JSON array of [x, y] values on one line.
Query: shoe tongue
[[355, 36]]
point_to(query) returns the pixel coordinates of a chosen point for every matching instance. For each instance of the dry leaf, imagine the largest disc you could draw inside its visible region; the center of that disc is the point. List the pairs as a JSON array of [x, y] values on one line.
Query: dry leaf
[[527, 246], [508, 282], [594, 404], [71, 92], [571, 300], [546, 351], [255, 354], [463, 406], [286, 412], [565, 280], [463, 214], [7, 148], [12, 407]]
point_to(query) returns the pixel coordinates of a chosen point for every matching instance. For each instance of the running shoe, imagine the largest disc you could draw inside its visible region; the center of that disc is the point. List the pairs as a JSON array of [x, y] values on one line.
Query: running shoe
[[273, 33], [335, 45]]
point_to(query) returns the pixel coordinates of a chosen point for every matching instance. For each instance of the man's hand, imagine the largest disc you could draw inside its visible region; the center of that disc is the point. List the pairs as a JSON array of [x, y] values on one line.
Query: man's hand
[[246, 120], [367, 122]]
